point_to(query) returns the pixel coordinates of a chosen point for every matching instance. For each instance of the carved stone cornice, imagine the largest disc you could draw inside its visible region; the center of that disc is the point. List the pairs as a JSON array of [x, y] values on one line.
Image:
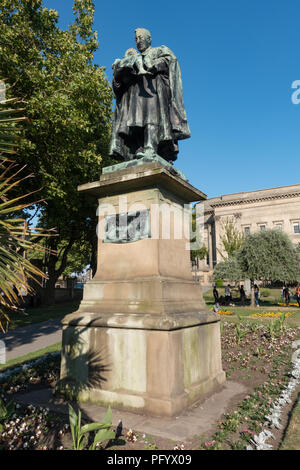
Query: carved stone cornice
[[251, 200]]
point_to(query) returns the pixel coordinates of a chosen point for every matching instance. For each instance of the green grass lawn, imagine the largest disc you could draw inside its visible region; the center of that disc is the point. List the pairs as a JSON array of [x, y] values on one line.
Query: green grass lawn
[[39, 314], [268, 304], [28, 357]]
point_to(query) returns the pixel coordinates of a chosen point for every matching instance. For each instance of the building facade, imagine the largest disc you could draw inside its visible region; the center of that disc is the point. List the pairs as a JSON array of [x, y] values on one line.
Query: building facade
[[250, 212]]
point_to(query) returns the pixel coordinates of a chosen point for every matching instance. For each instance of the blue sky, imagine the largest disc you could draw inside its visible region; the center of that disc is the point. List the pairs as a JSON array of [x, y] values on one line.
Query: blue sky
[[238, 60]]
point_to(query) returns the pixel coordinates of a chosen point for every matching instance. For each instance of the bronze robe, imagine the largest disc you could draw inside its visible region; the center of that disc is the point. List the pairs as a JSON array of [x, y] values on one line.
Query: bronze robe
[[149, 99]]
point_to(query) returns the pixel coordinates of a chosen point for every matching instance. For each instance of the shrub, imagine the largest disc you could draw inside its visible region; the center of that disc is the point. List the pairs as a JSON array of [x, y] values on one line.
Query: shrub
[[265, 293]]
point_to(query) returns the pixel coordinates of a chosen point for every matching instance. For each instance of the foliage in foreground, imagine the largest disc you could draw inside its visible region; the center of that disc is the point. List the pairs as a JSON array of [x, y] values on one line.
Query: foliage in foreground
[[102, 430], [17, 241], [68, 103]]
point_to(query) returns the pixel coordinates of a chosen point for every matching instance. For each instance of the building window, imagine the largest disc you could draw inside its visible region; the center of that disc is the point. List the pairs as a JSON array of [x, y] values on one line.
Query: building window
[[262, 228], [296, 227], [247, 230], [278, 227]]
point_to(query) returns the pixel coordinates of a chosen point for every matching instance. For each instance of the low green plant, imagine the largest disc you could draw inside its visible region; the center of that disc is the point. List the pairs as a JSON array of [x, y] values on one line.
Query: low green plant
[[103, 428], [272, 329], [281, 321], [6, 411], [258, 352], [265, 293], [240, 333], [254, 327], [237, 445], [149, 442]]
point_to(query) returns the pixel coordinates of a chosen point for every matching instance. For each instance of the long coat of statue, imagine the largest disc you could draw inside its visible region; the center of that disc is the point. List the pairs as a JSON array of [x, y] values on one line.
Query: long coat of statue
[[154, 99]]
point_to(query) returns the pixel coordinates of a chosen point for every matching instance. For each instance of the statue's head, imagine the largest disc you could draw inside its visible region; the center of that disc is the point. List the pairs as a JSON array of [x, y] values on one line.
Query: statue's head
[[143, 39]]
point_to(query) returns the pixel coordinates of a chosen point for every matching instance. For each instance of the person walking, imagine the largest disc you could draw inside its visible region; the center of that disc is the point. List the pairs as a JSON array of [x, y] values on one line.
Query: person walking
[[282, 291], [216, 294], [228, 294], [256, 294], [242, 295], [298, 294], [286, 295]]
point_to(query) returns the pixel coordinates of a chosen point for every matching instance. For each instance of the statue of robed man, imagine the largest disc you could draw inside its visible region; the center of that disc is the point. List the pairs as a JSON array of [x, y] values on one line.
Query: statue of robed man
[[149, 116]]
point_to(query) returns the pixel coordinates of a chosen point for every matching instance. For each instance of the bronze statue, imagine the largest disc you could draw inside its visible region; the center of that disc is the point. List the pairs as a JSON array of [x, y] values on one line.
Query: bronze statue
[[149, 116]]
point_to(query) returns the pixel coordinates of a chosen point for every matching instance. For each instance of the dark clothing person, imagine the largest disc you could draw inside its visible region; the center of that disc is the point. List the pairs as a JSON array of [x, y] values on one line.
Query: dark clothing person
[[242, 295], [256, 294], [216, 295], [286, 295], [298, 294]]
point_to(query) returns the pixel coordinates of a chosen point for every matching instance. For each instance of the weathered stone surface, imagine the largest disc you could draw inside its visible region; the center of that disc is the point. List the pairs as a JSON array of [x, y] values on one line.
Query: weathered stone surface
[[142, 339], [155, 372], [142, 161]]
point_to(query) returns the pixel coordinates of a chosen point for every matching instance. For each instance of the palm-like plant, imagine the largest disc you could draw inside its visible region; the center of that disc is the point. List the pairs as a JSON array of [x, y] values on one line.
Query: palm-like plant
[[17, 240], [9, 118]]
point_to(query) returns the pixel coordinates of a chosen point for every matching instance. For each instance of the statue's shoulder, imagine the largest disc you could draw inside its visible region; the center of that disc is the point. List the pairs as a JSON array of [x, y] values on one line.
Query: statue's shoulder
[[162, 51]]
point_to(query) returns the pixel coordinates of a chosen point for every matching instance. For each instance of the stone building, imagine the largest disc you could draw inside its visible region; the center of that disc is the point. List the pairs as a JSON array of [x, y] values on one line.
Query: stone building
[[250, 211]]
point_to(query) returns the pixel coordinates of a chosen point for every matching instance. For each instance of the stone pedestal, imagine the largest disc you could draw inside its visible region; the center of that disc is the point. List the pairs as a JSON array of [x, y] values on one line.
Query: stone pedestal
[[142, 339]]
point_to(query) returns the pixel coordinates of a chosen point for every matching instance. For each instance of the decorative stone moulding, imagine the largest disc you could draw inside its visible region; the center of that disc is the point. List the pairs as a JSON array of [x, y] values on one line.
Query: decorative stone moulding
[[142, 339]]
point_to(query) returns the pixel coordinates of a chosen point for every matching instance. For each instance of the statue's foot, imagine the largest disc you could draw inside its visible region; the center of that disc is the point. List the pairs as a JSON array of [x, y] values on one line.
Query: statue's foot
[[148, 153]]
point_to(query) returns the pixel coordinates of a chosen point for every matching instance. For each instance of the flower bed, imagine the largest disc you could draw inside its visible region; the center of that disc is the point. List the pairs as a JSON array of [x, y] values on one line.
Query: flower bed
[[225, 312], [272, 314], [271, 369], [282, 304], [264, 360]]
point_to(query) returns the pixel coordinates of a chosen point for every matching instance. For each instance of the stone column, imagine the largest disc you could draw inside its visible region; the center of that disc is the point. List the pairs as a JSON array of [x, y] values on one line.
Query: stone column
[[142, 339]]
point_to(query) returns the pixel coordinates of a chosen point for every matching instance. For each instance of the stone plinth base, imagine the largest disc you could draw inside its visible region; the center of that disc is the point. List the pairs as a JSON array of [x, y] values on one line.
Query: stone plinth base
[[142, 339], [154, 366]]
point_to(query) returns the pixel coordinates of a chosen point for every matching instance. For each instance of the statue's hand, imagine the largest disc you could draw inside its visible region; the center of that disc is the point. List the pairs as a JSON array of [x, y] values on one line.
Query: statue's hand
[[150, 70], [145, 72], [147, 62]]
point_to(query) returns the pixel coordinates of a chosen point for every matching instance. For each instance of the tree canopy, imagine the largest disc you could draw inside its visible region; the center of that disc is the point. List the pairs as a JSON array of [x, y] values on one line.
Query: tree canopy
[[269, 255], [266, 255], [68, 102], [229, 270], [232, 239]]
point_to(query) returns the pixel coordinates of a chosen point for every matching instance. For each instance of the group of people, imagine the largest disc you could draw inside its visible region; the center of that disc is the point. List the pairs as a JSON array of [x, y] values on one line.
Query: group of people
[[286, 294], [220, 300], [228, 296]]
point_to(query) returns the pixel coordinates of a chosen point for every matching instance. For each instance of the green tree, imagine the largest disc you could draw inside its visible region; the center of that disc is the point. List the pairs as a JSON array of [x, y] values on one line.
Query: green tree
[[265, 256], [232, 239], [79, 257], [270, 255], [228, 270], [68, 102]]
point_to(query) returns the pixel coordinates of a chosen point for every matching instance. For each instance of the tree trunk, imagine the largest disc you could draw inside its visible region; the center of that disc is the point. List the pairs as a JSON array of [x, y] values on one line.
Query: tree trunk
[[53, 274], [49, 292], [252, 296], [94, 253]]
